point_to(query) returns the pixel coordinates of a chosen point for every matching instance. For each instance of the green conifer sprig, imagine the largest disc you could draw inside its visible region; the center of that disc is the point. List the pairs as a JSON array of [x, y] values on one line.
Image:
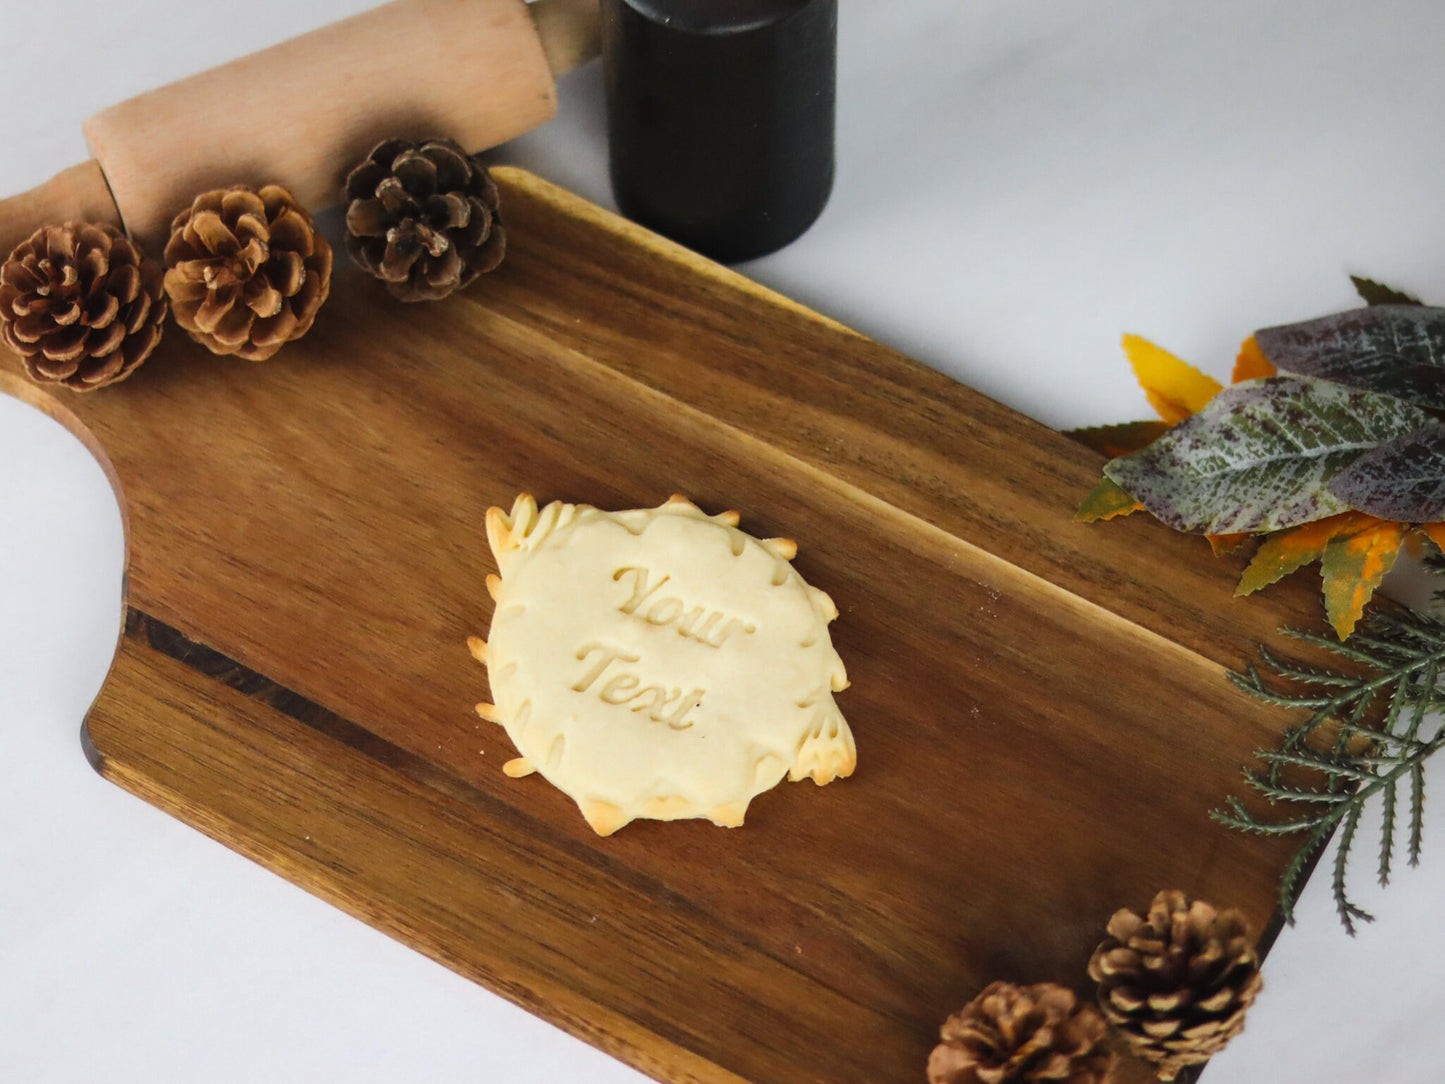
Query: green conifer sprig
[[1435, 562], [1369, 731]]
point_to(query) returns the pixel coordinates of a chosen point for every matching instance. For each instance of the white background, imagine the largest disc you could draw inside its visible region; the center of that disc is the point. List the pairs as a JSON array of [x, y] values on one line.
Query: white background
[[1019, 181]]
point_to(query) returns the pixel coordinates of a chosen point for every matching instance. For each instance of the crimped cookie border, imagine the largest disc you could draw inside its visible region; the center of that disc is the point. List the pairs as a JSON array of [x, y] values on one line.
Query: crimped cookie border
[[826, 751]]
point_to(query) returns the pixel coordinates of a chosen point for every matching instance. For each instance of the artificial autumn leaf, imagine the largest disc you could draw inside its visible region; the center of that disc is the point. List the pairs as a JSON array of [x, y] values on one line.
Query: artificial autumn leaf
[[1258, 457], [1402, 479], [1105, 501], [1376, 293], [1174, 388], [1331, 458], [1285, 551], [1222, 545], [1121, 439], [1389, 349], [1353, 566], [1251, 364]]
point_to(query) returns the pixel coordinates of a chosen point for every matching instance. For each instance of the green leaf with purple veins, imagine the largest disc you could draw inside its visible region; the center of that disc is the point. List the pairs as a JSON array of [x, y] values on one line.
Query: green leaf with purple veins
[[1260, 456], [1391, 349], [1402, 480]]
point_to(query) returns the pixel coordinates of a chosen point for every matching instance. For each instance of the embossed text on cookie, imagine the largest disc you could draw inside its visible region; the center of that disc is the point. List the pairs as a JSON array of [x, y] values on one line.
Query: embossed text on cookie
[[623, 688], [715, 626]]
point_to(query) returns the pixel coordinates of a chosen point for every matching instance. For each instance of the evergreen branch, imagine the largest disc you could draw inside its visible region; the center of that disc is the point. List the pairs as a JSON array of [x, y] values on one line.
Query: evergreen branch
[[1328, 765], [1387, 835], [1396, 660], [1417, 810], [1240, 818], [1253, 684], [1397, 705], [1370, 734], [1277, 792], [1347, 910], [1407, 754], [1335, 647], [1289, 881], [1299, 672], [1421, 707]]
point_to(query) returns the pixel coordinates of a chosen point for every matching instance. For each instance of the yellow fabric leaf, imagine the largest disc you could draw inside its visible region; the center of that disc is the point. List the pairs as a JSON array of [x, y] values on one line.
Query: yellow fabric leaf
[[1251, 362], [1174, 388], [1353, 566], [1284, 551], [1436, 533], [1105, 501]]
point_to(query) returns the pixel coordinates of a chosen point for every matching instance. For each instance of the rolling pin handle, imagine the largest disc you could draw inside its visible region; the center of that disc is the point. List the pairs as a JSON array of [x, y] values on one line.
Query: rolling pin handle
[[166, 145], [77, 194], [570, 31]]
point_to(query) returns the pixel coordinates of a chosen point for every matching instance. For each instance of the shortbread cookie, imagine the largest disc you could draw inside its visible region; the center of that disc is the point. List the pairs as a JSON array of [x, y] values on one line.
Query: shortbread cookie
[[659, 662]]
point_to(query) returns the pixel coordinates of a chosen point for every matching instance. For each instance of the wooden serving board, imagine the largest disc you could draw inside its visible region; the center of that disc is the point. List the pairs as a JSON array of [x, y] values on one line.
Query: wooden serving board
[[1040, 707]]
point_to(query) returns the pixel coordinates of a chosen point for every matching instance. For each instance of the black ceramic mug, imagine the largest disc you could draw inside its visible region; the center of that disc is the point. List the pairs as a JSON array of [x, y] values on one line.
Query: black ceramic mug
[[720, 118]]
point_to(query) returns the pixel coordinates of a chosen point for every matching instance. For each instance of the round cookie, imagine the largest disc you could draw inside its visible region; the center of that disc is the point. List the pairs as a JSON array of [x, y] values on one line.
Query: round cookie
[[659, 662]]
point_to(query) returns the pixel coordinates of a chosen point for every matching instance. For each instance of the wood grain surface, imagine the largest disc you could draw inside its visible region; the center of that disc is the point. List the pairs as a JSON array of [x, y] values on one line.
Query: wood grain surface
[[1040, 707]]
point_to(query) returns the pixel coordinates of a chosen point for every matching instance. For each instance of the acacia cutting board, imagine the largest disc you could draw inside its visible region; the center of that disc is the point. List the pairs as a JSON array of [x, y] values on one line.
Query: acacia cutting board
[[1040, 707]]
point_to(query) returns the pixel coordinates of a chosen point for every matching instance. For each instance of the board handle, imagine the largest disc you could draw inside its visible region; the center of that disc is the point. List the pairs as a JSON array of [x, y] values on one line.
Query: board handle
[[78, 193]]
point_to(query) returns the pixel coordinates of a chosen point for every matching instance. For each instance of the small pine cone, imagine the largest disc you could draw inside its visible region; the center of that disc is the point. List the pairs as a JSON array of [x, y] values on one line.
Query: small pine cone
[[1021, 1035], [81, 305], [246, 270], [1177, 983], [422, 217]]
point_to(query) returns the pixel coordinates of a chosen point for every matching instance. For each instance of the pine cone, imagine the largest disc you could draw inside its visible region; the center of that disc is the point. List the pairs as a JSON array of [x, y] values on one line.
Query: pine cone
[[246, 270], [81, 305], [1176, 984], [422, 217], [1022, 1034]]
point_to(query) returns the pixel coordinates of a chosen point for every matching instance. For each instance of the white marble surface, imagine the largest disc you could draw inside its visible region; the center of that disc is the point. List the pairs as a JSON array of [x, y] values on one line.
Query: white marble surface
[[1019, 181]]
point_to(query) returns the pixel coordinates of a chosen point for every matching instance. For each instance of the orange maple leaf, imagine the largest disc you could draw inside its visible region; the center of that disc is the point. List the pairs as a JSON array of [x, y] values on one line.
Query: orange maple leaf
[[1251, 362], [1105, 501], [1436, 533], [1174, 388], [1284, 551], [1225, 544], [1354, 550], [1353, 566]]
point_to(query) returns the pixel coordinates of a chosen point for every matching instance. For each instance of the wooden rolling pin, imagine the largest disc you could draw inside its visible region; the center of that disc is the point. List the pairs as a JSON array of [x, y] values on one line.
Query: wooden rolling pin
[[302, 113]]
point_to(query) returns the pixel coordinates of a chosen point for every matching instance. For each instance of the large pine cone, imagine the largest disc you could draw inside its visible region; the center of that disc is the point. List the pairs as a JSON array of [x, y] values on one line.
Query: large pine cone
[[422, 217], [81, 305], [1022, 1035], [246, 270], [1177, 983]]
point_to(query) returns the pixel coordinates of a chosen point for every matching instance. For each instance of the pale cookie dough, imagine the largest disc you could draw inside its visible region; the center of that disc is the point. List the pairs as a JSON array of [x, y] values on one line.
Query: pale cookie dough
[[659, 662]]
